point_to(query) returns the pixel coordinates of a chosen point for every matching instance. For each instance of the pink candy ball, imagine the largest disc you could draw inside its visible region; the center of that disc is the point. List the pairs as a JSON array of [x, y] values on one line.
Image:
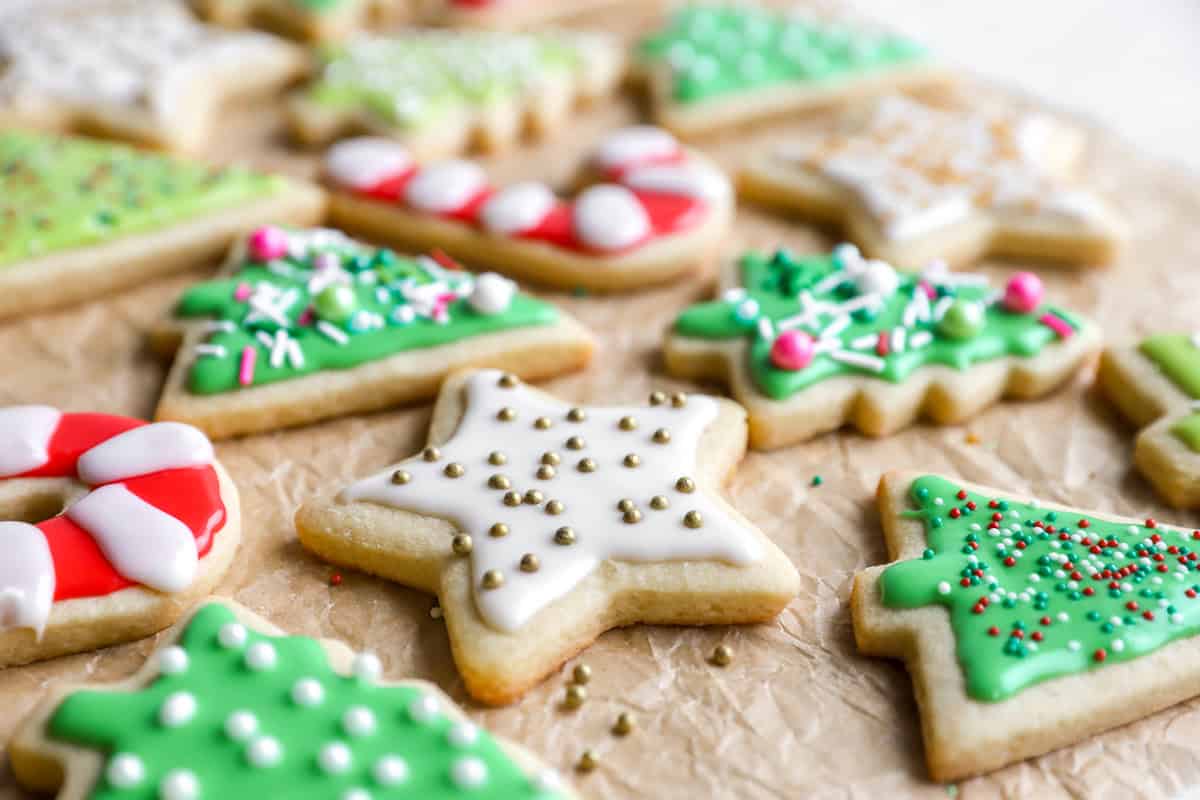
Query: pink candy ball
[[793, 350], [1023, 293], [268, 243]]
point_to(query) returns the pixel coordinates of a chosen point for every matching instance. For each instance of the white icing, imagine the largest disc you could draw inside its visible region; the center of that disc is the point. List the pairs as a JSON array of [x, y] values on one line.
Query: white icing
[[690, 180], [610, 217], [590, 499], [143, 450], [366, 161], [27, 578], [518, 208], [492, 293], [635, 144], [144, 544], [445, 187], [25, 433], [916, 169]]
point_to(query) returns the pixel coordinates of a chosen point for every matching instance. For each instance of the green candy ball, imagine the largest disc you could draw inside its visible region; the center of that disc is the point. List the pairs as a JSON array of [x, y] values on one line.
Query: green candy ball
[[963, 320], [336, 303]]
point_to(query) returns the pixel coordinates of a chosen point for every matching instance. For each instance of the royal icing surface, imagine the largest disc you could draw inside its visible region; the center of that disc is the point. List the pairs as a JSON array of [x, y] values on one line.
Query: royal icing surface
[[364, 161], [59, 193], [237, 713], [119, 56], [713, 51], [916, 169], [1036, 594], [417, 80], [656, 191], [311, 300], [555, 491], [854, 316], [1178, 357], [148, 518]]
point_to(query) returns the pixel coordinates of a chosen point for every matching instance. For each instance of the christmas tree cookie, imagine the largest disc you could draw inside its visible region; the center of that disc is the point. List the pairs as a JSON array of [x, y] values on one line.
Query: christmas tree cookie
[[1026, 626], [910, 182], [439, 92], [540, 525], [1156, 385], [230, 707], [810, 344], [313, 20], [138, 521], [717, 65], [305, 325], [146, 72], [652, 210], [80, 218]]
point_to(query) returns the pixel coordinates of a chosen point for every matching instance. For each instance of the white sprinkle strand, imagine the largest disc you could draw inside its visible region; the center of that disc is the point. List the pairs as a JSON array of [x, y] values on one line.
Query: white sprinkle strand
[[211, 350], [331, 332], [872, 363]]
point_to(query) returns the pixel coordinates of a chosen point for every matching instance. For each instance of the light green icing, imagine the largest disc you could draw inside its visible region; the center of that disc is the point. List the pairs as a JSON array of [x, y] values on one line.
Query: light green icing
[[1179, 358], [715, 50], [395, 303], [1045, 595], [776, 287], [221, 682], [415, 80], [59, 193]]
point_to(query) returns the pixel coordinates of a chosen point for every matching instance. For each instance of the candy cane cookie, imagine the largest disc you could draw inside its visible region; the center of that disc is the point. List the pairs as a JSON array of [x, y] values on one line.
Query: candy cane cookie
[[147, 72], [230, 707], [651, 210], [138, 521], [440, 92]]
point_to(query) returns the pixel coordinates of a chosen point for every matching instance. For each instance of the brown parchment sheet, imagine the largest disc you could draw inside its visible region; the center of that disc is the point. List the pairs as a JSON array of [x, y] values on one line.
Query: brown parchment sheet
[[798, 713]]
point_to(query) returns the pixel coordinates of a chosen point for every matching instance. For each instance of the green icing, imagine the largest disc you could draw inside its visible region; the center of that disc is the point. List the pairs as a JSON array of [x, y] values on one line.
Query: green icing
[[58, 193], [1179, 358], [221, 682], [414, 80], [714, 50], [335, 304], [1047, 593], [775, 290]]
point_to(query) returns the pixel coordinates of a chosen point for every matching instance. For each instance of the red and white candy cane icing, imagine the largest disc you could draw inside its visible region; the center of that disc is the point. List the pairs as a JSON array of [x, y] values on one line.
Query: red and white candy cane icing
[[152, 509], [655, 190]]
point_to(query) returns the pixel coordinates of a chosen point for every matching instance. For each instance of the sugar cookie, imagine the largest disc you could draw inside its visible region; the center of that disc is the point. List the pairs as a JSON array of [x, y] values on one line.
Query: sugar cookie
[[141, 71], [230, 707], [305, 325], [79, 217], [911, 182], [1156, 386], [138, 521], [1026, 626], [516, 13], [317, 20], [440, 92], [540, 526], [808, 344], [714, 66], [659, 212]]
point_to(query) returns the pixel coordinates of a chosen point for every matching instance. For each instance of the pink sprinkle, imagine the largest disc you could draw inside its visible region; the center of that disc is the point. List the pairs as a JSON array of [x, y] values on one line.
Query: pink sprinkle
[[243, 292], [1058, 325], [792, 350], [306, 317], [930, 292], [246, 370], [267, 243]]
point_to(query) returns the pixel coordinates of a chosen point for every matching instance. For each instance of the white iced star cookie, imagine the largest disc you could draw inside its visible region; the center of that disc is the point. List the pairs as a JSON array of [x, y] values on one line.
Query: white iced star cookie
[[911, 182], [540, 525], [144, 72]]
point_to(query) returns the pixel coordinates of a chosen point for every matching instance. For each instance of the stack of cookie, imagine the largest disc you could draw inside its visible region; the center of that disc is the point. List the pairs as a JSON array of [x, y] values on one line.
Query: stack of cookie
[[540, 523]]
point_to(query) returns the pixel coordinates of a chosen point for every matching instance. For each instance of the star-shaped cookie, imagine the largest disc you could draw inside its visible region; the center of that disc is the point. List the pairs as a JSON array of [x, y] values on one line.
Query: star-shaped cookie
[[313, 20], [147, 72], [1156, 385], [540, 525], [1026, 626], [230, 707], [911, 182]]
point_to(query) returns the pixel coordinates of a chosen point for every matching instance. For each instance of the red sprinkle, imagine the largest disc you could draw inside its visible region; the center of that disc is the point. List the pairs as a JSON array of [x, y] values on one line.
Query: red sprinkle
[[1037, 636], [1010, 561], [1150, 523], [1044, 620], [993, 631], [1083, 523], [444, 260], [962, 494], [335, 579], [1089, 591], [971, 505], [955, 513], [1148, 615], [1100, 655], [1132, 605]]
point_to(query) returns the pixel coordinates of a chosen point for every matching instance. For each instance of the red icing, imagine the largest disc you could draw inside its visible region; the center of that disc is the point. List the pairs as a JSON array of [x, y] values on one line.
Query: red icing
[[192, 495], [669, 213]]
